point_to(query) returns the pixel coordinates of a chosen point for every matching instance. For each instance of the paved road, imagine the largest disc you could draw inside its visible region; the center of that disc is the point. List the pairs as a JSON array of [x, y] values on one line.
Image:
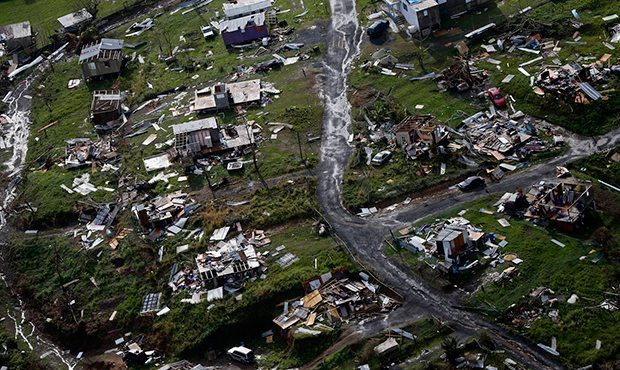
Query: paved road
[[364, 236]]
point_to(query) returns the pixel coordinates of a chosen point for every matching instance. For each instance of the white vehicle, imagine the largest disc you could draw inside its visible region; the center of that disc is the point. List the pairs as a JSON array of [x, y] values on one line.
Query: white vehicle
[[241, 354], [381, 158], [207, 32]]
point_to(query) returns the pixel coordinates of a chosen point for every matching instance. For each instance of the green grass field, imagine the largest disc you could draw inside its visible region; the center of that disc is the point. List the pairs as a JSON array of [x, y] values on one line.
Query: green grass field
[[43, 14], [428, 333]]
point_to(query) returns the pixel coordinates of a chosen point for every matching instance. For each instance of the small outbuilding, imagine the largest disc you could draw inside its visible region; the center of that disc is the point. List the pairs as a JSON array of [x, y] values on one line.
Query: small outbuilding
[[453, 241], [106, 108], [199, 136], [102, 58], [15, 37], [73, 22]]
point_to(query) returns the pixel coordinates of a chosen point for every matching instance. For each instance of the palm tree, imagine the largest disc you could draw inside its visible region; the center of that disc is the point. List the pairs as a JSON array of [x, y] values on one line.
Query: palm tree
[[451, 347]]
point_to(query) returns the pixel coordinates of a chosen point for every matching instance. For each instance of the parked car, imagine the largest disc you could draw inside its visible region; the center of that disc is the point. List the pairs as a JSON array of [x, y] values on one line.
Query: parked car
[[207, 32], [496, 97], [471, 183], [381, 158], [241, 354], [378, 28]]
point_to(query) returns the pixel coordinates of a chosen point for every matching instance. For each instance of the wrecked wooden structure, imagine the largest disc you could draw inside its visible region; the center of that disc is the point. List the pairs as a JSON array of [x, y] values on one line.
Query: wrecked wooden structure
[[16, 37], [563, 205], [461, 76], [101, 59], [106, 109], [333, 298], [73, 22]]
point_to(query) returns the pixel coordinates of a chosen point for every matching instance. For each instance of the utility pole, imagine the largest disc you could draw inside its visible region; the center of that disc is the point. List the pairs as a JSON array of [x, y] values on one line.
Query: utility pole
[[301, 153], [208, 176], [254, 147], [257, 170]]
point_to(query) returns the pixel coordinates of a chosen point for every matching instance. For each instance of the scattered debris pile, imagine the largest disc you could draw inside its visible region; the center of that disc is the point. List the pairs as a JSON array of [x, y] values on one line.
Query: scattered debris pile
[[334, 297], [82, 152], [501, 136], [573, 81], [417, 134], [224, 266], [165, 215], [382, 61], [461, 76], [541, 302]]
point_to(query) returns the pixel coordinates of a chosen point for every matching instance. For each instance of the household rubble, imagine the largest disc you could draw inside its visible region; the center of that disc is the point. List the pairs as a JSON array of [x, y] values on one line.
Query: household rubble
[[502, 136], [562, 205], [222, 268], [335, 297], [83, 152], [461, 76], [165, 215], [573, 81]]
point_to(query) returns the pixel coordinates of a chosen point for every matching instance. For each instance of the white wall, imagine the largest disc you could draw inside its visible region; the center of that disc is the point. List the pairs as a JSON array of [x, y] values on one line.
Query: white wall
[[409, 13]]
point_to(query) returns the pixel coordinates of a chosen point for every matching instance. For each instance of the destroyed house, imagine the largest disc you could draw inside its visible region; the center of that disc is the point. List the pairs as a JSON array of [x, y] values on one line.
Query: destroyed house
[[72, 22], [572, 81], [334, 297], [81, 152], [236, 268], [502, 137], [15, 37], [243, 30], [230, 262], [563, 206], [452, 241], [164, 214], [105, 108], [223, 96], [102, 58], [423, 128], [243, 8], [199, 136]]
